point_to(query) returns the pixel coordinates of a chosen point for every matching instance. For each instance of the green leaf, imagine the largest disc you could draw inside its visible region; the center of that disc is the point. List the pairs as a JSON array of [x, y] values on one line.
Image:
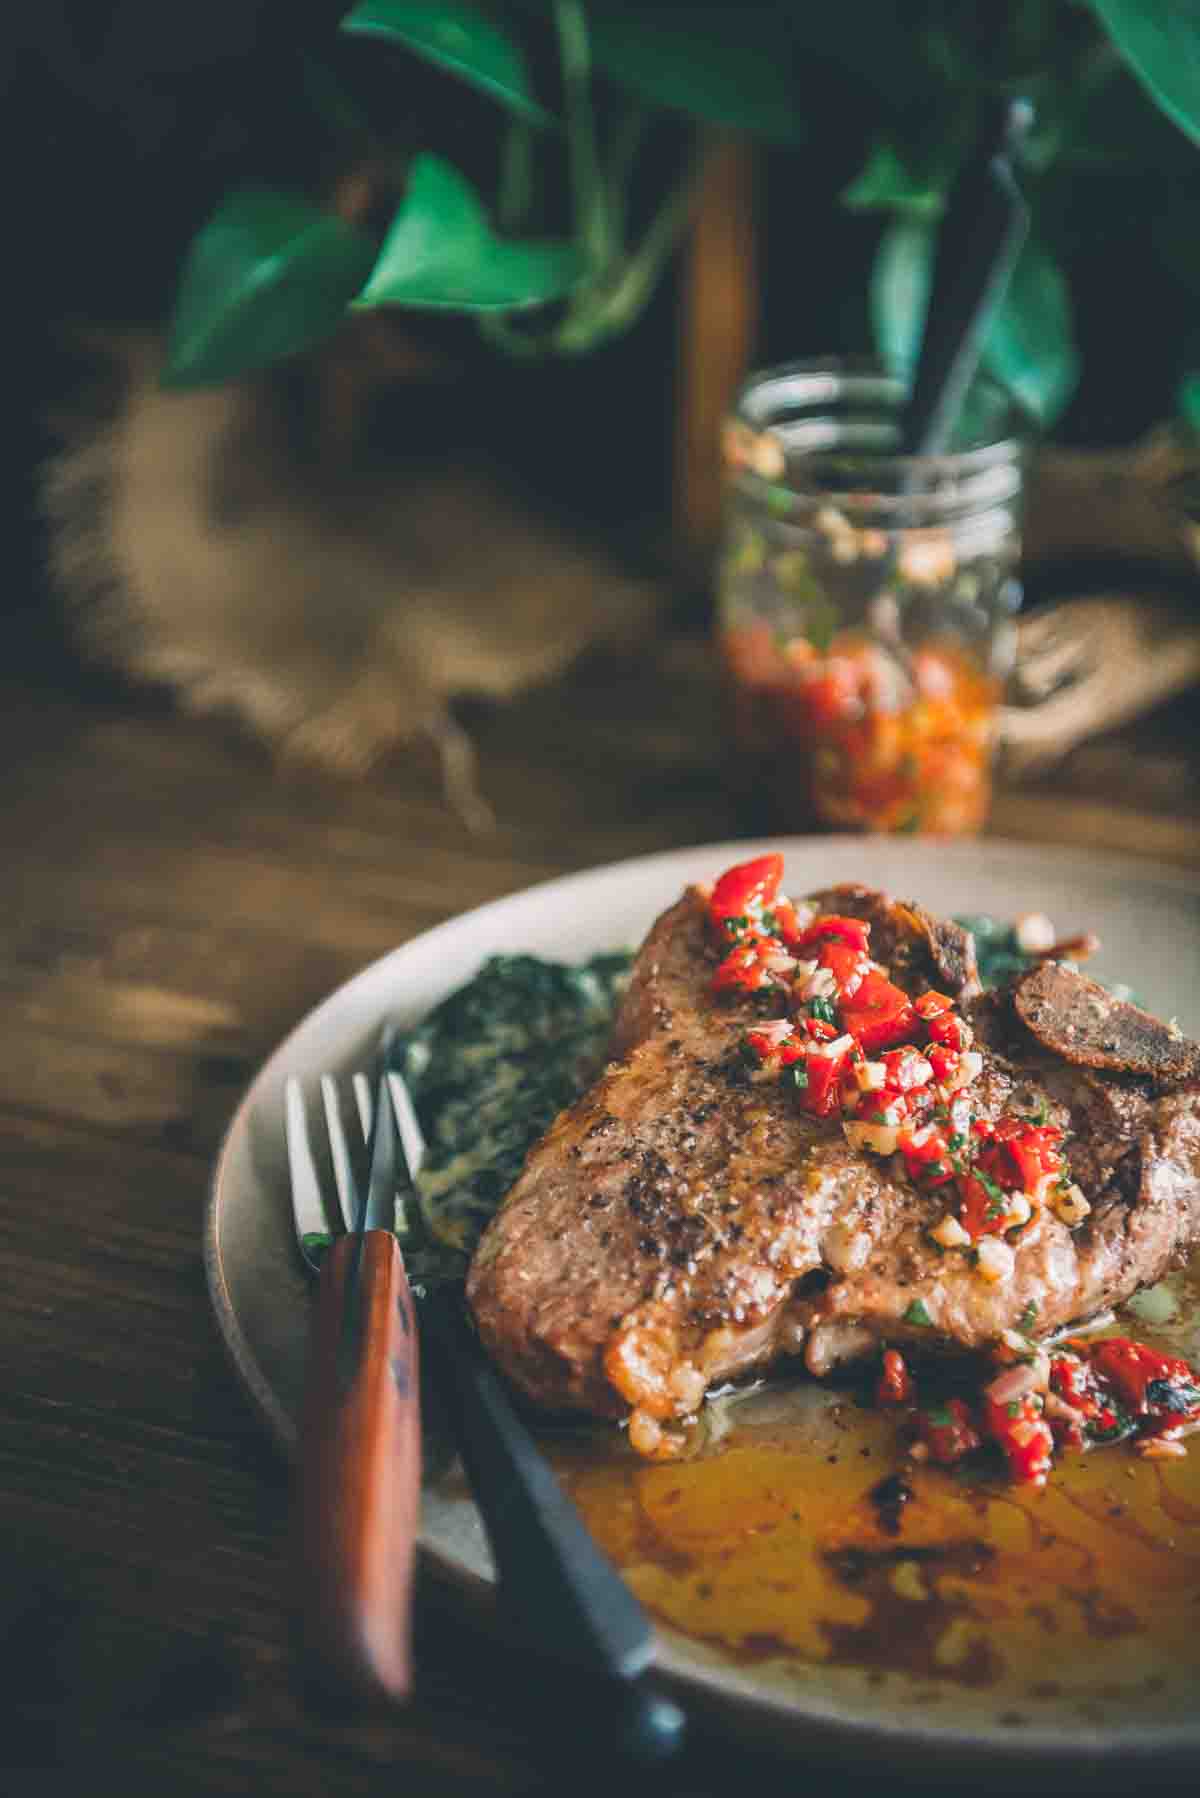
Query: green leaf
[[917, 1314], [456, 37], [885, 183], [1108, 124], [734, 66], [899, 294], [753, 66], [268, 275], [1161, 44], [1030, 345], [441, 252]]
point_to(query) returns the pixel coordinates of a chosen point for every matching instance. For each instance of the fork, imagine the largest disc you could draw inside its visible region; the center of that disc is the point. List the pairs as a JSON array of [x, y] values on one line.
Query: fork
[[560, 1591], [360, 1435]]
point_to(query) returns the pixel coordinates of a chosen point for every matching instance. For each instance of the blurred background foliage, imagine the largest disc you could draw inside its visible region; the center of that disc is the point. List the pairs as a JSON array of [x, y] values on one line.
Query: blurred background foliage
[[559, 242], [532, 164]]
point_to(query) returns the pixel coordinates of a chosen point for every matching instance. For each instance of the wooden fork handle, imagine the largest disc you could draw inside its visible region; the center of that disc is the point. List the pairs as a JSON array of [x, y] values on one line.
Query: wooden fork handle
[[360, 1473]]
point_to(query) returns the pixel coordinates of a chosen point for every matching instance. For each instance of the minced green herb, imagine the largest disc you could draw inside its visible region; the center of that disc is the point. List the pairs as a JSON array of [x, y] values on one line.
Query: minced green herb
[[1122, 1424], [997, 1198], [917, 1314], [1173, 1395]]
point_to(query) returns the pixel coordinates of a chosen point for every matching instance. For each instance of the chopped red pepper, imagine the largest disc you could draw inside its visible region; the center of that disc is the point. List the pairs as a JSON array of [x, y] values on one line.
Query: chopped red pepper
[[981, 1213], [1033, 1149], [944, 1062], [1014, 1157], [832, 694], [823, 1096], [874, 1107], [786, 926], [948, 1430], [820, 1031], [743, 969], [1070, 1379], [995, 1159], [1132, 1368], [845, 963], [1024, 1435], [881, 1014], [928, 1159], [895, 1385], [1075, 1382], [851, 931], [744, 889], [948, 1029]]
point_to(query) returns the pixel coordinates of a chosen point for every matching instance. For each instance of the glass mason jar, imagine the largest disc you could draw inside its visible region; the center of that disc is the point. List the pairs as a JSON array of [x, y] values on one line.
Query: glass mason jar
[[865, 601]]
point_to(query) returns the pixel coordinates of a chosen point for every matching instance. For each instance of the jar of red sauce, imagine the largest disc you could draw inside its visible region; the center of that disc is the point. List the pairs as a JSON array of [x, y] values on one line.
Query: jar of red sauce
[[865, 600]]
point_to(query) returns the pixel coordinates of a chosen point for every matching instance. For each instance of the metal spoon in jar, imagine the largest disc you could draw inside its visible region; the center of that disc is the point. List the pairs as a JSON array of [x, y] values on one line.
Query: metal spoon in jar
[[984, 227]]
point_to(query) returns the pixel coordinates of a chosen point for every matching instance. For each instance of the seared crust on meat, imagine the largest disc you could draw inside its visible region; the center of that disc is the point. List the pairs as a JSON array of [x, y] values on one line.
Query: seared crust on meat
[[922, 951], [1077, 1019], [684, 1221]]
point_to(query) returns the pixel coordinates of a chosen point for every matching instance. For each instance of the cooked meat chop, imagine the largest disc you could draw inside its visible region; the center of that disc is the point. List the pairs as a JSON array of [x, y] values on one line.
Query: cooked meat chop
[[683, 1222]]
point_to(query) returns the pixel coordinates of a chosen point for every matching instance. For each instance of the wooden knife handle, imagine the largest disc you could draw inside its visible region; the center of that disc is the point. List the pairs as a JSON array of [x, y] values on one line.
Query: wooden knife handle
[[360, 1473]]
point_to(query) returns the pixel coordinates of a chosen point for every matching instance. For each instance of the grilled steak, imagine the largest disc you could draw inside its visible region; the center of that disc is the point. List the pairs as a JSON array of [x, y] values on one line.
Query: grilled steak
[[684, 1221]]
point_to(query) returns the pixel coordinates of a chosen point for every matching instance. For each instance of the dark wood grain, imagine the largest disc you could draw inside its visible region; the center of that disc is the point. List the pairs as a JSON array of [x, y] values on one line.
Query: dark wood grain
[[173, 905]]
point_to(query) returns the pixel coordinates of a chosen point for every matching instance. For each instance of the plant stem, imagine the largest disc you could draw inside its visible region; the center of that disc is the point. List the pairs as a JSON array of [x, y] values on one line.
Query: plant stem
[[603, 313], [627, 141], [516, 175], [497, 329], [587, 187]]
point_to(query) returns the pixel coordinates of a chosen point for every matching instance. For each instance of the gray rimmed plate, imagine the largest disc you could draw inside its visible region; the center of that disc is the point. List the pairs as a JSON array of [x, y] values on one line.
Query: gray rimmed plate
[[1149, 921]]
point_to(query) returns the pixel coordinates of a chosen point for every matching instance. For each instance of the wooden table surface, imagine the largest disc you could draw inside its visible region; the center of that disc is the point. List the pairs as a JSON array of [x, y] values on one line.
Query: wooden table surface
[[174, 905]]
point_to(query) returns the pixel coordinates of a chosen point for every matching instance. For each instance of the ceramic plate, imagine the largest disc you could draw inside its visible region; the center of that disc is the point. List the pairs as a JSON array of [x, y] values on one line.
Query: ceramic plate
[[909, 1717]]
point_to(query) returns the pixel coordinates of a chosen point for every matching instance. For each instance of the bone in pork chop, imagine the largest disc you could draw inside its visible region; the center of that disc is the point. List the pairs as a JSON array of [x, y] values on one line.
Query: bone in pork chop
[[686, 1220]]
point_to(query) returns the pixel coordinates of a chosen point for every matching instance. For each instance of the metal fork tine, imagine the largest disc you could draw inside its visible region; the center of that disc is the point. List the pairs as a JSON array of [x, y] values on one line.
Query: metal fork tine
[[339, 1151], [412, 1142], [362, 1098], [307, 1203]]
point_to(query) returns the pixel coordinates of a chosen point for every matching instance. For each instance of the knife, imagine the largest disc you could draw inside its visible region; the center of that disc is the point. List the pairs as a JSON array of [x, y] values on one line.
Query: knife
[[560, 1594]]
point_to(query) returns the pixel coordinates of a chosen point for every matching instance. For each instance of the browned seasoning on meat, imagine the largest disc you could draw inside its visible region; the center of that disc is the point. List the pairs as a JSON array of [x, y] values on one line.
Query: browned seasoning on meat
[[721, 1197]]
